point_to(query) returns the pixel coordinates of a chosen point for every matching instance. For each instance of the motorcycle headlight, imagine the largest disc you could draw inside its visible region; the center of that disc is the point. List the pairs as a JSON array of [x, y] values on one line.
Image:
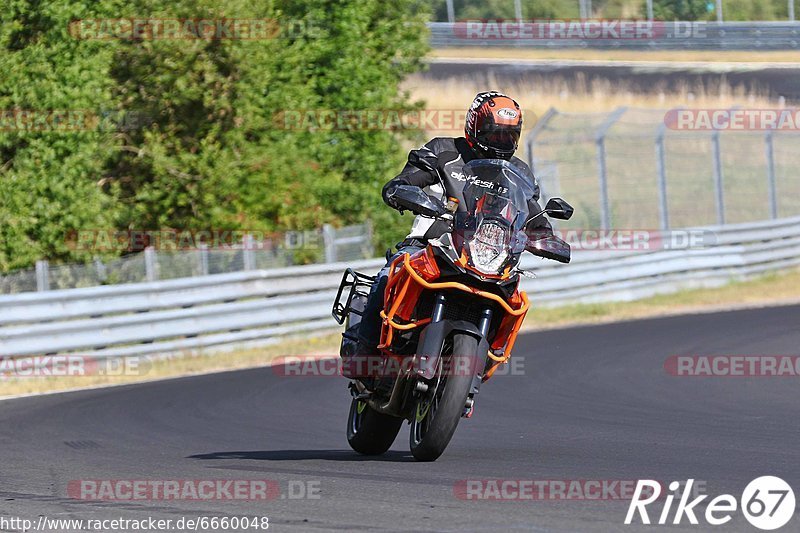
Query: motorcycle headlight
[[489, 247]]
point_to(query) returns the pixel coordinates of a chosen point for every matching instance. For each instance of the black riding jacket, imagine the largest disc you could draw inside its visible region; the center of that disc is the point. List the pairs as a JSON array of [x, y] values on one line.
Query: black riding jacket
[[437, 167]]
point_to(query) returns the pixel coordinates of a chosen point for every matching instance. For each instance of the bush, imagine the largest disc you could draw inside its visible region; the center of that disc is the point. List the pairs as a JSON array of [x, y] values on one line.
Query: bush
[[205, 150]]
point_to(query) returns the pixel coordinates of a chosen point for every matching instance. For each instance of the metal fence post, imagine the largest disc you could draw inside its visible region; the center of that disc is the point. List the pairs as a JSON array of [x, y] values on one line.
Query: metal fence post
[[368, 236], [329, 241], [584, 9], [541, 124], [600, 142], [451, 14], [605, 215], [661, 167], [150, 264], [771, 182], [202, 258], [248, 257], [42, 275], [100, 268], [718, 178]]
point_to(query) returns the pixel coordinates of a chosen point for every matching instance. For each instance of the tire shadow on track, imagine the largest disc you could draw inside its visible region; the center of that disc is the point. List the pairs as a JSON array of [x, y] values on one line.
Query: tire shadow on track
[[308, 455]]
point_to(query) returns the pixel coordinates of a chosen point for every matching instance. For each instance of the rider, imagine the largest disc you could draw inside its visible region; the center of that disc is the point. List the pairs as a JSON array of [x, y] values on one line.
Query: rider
[[492, 131]]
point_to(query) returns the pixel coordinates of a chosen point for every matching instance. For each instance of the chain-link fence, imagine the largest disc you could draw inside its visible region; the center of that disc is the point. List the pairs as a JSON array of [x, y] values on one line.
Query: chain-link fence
[[329, 244], [635, 168], [627, 169]]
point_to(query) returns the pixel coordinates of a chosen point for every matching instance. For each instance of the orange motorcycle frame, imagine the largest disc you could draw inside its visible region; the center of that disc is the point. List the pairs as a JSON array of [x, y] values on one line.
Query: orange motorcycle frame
[[411, 275]]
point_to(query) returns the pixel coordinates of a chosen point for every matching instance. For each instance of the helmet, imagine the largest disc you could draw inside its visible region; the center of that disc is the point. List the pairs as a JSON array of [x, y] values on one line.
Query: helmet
[[493, 126]]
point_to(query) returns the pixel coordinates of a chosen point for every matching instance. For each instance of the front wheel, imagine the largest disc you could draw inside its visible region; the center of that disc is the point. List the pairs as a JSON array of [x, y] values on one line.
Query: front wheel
[[437, 415], [368, 431]]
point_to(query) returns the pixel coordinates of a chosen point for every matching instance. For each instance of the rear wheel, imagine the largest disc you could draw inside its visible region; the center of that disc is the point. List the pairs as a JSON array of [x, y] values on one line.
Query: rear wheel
[[368, 431], [437, 415]]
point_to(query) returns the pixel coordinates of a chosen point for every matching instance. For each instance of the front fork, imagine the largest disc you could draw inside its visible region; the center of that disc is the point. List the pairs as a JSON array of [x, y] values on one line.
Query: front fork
[[484, 324]]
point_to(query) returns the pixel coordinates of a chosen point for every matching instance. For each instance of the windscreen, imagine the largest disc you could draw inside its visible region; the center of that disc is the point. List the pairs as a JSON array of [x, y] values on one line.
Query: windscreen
[[496, 187], [489, 230]]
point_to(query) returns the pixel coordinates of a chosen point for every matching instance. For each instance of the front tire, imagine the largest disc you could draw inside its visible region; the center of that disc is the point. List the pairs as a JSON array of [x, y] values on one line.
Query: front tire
[[436, 417], [370, 432]]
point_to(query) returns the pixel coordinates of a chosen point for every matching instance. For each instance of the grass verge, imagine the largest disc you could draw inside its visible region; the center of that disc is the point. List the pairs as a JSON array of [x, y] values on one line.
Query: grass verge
[[772, 289], [177, 366], [768, 290]]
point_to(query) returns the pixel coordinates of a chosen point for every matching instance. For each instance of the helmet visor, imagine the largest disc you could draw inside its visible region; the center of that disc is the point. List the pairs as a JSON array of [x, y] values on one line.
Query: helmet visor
[[499, 138]]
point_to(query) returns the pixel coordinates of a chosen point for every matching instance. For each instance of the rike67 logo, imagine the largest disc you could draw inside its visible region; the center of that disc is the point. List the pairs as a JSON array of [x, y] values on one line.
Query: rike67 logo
[[767, 503]]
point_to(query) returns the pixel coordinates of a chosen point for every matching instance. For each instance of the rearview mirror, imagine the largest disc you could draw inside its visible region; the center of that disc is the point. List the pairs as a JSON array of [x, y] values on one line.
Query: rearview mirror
[[415, 200], [559, 208]]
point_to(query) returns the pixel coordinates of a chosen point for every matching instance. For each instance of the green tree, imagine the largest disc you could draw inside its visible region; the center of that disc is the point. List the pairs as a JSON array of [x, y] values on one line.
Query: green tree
[[681, 10], [504, 9], [218, 155], [49, 180], [210, 152]]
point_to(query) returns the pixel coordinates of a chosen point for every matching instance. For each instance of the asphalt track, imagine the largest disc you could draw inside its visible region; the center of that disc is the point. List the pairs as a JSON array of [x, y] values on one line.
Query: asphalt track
[[592, 403], [775, 80]]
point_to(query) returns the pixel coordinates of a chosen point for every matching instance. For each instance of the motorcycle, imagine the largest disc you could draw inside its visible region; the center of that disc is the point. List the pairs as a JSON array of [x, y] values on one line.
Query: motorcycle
[[451, 312]]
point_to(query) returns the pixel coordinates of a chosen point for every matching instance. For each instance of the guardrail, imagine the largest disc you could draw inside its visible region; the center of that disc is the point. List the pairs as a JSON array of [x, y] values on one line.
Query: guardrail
[[678, 35], [741, 251], [259, 307]]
